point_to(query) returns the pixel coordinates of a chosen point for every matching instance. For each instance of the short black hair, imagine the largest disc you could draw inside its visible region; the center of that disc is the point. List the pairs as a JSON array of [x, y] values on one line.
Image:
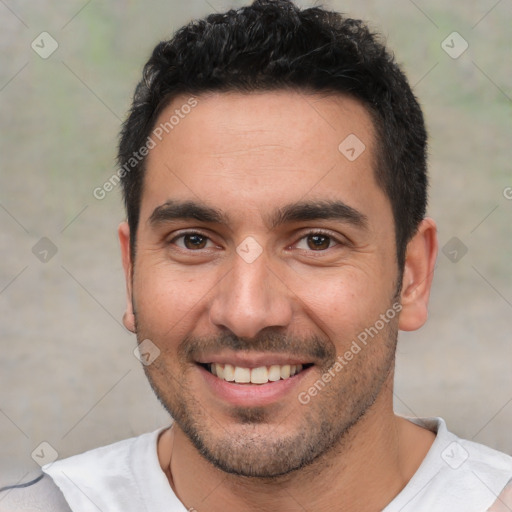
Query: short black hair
[[275, 45]]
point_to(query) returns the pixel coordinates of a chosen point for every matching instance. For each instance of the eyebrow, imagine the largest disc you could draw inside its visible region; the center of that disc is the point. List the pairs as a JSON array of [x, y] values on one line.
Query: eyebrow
[[180, 210], [294, 212], [319, 210]]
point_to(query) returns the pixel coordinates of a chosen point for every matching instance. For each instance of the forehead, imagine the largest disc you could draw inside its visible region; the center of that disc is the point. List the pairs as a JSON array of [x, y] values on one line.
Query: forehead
[[315, 121], [253, 151]]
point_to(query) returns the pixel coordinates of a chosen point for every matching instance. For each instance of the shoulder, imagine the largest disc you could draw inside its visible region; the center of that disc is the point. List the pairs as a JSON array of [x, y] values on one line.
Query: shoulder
[[456, 453], [37, 494], [456, 474], [504, 500], [69, 484], [481, 460], [109, 477]]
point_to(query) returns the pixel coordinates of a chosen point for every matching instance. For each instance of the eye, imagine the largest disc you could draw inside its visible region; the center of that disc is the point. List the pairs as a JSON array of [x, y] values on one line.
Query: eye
[[192, 241], [316, 241]]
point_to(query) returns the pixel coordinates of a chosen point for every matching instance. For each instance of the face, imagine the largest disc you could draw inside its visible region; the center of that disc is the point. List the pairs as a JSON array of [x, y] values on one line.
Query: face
[[264, 250]]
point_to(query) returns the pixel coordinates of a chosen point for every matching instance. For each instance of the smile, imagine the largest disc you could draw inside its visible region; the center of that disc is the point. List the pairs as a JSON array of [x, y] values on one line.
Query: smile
[[260, 375]]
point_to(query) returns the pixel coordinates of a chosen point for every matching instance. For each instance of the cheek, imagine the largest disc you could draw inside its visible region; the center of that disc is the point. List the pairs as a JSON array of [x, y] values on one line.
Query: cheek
[[343, 303], [167, 297]]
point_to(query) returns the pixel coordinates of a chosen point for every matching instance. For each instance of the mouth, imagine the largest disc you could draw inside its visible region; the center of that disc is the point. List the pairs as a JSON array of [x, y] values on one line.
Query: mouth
[[260, 375]]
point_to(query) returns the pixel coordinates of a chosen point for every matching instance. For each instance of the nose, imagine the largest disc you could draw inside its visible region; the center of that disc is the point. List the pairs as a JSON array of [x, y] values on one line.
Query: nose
[[251, 297]]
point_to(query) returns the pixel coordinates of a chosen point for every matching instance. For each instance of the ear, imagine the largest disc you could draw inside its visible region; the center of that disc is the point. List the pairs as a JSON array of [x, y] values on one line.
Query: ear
[[124, 239], [420, 260]]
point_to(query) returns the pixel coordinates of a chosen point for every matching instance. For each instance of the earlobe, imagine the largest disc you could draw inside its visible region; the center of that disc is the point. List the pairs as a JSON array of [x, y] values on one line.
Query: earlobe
[[418, 273], [124, 240]]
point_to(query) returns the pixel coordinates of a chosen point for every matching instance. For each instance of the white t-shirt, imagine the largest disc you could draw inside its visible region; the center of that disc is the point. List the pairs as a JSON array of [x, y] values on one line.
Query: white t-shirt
[[456, 476]]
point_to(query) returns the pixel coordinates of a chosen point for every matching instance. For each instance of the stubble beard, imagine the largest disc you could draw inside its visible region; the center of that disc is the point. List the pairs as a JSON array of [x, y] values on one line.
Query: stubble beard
[[258, 447]]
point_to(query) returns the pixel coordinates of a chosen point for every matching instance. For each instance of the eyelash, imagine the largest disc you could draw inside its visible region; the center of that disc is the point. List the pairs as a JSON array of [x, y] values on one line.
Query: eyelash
[[304, 235]]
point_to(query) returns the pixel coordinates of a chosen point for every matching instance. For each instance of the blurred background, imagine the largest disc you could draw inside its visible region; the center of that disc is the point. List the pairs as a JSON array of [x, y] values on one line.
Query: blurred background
[[69, 378]]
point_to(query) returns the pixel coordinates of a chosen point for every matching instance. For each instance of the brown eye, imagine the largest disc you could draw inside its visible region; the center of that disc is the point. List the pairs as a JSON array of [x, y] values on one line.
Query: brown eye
[[192, 241], [318, 242]]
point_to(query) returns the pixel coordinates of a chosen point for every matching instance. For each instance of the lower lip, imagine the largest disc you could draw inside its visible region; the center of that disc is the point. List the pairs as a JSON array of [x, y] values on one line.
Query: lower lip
[[251, 395]]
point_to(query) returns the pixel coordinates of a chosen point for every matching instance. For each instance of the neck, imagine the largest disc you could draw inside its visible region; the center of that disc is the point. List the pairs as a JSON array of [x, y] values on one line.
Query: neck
[[363, 473]]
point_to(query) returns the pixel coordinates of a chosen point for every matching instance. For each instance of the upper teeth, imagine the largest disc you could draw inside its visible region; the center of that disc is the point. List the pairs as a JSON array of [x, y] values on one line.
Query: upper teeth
[[260, 375]]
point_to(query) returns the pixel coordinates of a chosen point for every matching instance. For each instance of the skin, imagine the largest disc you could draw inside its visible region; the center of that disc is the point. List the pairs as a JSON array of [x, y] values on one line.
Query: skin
[[246, 155]]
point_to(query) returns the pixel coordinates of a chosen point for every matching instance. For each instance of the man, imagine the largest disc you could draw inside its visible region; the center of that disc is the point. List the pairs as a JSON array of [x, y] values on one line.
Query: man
[[274, 174]]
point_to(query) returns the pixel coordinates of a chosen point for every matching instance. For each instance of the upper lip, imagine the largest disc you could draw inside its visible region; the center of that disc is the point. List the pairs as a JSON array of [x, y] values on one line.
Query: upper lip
[[245, 360]]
